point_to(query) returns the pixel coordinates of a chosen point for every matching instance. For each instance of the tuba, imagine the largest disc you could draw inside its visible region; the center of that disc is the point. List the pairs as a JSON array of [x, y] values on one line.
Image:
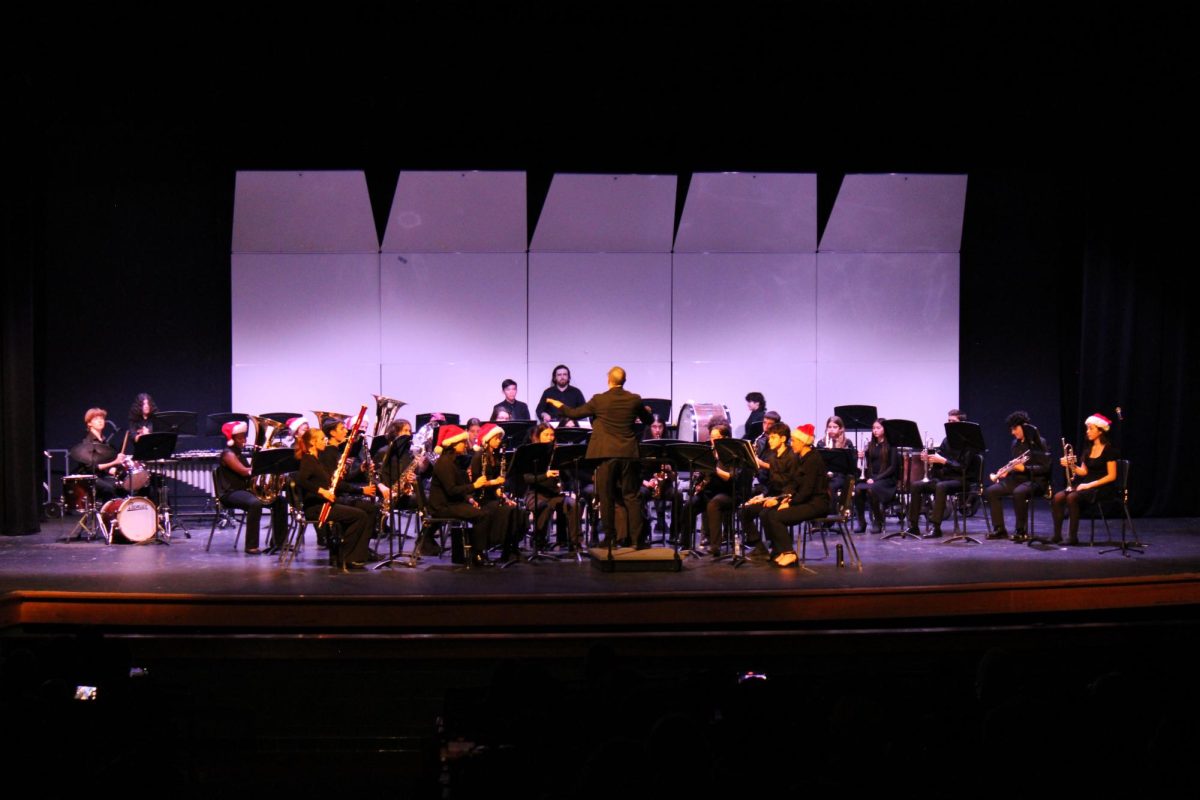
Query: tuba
[[267, 487], [385, 412]]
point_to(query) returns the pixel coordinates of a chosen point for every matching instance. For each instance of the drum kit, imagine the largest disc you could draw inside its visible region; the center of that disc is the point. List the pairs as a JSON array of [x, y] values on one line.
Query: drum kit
[[133, 519]]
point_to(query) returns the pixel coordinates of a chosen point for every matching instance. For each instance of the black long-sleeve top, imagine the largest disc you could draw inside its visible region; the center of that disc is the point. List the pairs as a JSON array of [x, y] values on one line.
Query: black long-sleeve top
[[449, 485], [1037, 468], [877, 469], [784, 474], [517, 410], [570, 397], [313, 476], [812, 479]]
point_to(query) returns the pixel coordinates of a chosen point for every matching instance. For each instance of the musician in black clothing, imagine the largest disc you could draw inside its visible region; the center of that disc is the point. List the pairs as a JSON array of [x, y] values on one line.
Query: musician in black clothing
[[659, 489], [809, 498], [315, 481], [1022, 481], [452, 493], [755, 425], [489, 462], [1092, 480], [356, 477], [233, 487], [835, 438], [515, 408], [560, 390], [95, 456], [762, 476], [946, 474], [712, 491], [544, 496], [141, 415], [883, 466], [784, 474]]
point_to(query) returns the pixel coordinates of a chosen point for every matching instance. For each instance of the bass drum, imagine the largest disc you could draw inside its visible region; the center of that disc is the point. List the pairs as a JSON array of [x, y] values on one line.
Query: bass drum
[[134, 519], [695, 418], [79, 492]]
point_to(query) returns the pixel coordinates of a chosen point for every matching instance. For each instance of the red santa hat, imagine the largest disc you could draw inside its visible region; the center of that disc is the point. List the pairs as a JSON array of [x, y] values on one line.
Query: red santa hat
[[489, 430], [449, 435], [1100, 421], [805, 433], [232, 429]]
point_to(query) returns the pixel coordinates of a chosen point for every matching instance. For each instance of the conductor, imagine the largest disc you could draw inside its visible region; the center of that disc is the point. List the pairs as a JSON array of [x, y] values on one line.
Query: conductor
[[614, 444]]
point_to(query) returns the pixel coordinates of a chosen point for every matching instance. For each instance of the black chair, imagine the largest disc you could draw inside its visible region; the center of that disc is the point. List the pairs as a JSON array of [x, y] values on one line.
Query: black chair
[[223, 516], [444, 525], [1115, 498], [837, 522]]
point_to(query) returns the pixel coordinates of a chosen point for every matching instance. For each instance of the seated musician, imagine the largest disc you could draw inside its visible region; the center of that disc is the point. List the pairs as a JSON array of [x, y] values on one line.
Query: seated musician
[[809, 498], [835, 438], [489, 462], [879, 488], [1086, 481], [545, 496], [712, 491], [761, 449], [659, 488], [1022, 481], [234, 488], [315, 481], [141, 415], [783, 471], [95, 456], [946, 475], [357, 475], [452, 493], [510, 405]]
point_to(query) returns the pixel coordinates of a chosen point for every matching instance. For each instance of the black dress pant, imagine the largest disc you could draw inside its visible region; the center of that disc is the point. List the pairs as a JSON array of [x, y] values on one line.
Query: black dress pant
[[618, 480], [247, 501], [1021, 493], [356, 529], [940, 491], [776, 521]]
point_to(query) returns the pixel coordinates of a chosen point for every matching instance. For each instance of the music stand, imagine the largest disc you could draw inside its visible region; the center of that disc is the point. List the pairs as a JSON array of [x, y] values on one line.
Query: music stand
[[684, 457], [568, 457], [533, 459], [902, 434], [857, 419], [966, 438], [736, 454], [159, 446], [181, 422], [564, 435], [517, 431], [423, 419]]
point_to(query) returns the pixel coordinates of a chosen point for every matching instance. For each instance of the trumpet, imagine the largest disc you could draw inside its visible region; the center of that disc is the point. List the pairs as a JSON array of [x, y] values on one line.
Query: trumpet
[[1069, 457], [1007, 468]]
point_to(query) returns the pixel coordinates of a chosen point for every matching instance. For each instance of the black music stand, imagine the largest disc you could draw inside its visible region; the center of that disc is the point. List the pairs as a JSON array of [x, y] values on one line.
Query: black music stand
[[516, 432], [696, 456], [159, 446], [966, 438], [423, 419], [902, 434], [282, 416], [181, 422], [736, 454], [857, 419], [567, 458], [534, 459], [564, 435]]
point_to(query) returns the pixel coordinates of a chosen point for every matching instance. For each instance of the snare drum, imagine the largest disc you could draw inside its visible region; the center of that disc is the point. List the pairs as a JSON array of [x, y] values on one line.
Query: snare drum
[[134, 518], [134, 477], [79, 492]]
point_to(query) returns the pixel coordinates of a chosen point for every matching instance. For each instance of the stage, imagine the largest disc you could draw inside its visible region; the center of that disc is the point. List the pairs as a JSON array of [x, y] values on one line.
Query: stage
[[48, 583]]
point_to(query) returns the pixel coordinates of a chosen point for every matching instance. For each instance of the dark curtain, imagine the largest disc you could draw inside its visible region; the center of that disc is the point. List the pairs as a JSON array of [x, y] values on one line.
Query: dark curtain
[[19, 423], [1136, 337]]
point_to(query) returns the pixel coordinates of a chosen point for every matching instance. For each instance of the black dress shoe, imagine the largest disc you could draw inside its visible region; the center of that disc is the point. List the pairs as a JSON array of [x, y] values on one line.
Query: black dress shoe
[[911, 530], [253, 551], [1000, 534], [1020, 537], [356, 565], [936, 533]]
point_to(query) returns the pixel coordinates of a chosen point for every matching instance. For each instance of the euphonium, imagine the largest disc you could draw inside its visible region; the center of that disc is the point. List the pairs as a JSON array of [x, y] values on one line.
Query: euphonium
[[385, 412], [267, 487]]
